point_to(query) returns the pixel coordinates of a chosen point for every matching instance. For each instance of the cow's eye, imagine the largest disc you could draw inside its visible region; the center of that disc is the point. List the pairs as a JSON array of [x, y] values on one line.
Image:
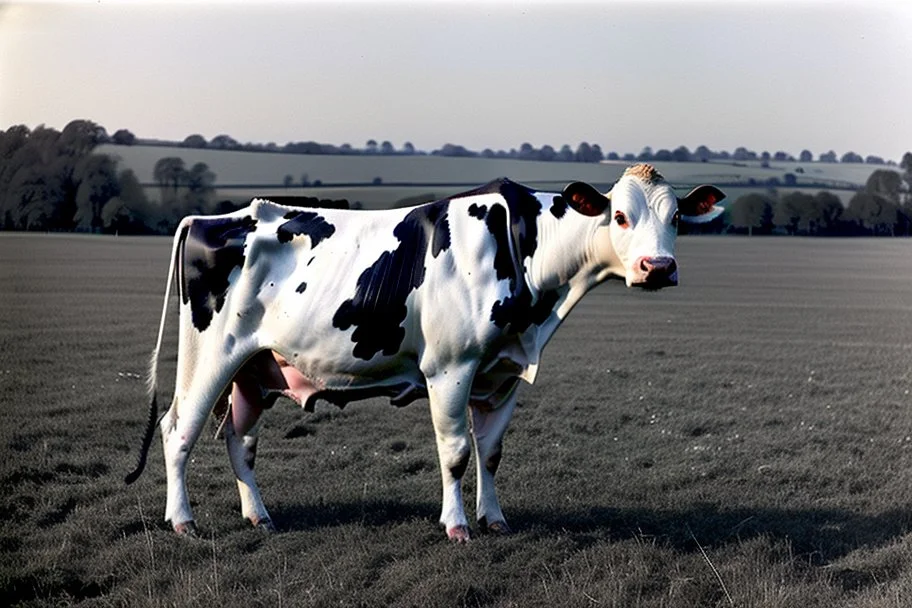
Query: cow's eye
[[676, 219], [621, 219]]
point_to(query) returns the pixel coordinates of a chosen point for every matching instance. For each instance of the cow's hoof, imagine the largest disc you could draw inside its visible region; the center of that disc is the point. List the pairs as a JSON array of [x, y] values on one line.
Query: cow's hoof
[[497, 528], [264, 524], [458, 534], [187, 528]]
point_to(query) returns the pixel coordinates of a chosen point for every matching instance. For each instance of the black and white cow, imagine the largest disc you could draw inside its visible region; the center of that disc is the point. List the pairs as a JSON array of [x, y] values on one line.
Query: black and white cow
[[452, 301]]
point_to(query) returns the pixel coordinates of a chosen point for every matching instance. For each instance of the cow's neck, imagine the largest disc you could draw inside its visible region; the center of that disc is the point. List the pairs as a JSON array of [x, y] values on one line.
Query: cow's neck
[[573, 255]]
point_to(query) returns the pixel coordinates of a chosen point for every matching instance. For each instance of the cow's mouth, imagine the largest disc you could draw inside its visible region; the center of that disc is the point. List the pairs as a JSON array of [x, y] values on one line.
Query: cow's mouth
[[656, 283], [653, 273]]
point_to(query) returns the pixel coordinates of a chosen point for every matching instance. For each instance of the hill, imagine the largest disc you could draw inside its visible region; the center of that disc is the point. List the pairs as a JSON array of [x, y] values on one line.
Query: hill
[[387, 180]]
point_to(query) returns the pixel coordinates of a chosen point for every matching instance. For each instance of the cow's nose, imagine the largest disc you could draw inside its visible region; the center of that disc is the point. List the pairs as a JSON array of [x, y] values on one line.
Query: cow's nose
[[659, 265]]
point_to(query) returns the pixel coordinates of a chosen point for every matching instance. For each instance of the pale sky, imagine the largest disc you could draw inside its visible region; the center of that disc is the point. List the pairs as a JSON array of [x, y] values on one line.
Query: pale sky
[[767, 75]]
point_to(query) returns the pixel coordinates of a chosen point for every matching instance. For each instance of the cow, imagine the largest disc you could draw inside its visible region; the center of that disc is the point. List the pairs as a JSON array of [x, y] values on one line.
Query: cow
[[452, 301]]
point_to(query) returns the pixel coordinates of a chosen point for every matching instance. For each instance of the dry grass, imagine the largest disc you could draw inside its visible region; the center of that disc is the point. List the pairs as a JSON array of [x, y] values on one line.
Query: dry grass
[[743, 439]]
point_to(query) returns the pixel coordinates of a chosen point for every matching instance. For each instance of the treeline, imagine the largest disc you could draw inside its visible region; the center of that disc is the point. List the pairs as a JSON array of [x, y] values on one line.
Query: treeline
[[52, 181], [882, 208], [584, 152]]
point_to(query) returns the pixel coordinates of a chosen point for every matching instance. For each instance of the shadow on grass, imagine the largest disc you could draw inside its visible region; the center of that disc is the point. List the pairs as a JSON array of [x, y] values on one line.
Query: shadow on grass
[[819, 535], [369, 512]]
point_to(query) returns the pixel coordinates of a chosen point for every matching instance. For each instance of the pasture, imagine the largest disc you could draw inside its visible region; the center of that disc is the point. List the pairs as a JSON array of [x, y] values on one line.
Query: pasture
[[744, 439]]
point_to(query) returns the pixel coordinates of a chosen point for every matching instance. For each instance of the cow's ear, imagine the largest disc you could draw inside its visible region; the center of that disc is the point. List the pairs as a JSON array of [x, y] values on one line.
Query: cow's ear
[[585, 199], [699, 206]]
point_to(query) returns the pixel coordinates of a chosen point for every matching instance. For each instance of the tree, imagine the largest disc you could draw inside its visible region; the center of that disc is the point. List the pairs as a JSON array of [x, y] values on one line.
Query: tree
[[906, 163], [790, 209], [527, 152], [663, 155], [288, 182], [79, 137], [681, 154], [547, 153], [454, 150], [851, 157], [645, 154], [122, 137], [886, 183], [371, 146], [565, 154], [597, 154], [874, 160], [130, 212], [98, 183], [806, 156], [169, 172], [742, 154], [752, 211], [387, 148], [200, 182], [224, 142], [829, 210], [194, 141], [828, 157], [35, 194], [873, 213], [408, 148], [703, 154]]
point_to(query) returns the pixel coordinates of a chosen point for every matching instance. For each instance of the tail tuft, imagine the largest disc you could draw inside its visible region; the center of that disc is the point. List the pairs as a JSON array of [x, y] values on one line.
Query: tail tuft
[[147, 441]]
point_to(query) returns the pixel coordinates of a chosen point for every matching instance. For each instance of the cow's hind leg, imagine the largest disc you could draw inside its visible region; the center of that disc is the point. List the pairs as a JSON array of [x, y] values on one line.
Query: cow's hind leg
[[241, 429], [180, 429], [448, 393], [488, 428]]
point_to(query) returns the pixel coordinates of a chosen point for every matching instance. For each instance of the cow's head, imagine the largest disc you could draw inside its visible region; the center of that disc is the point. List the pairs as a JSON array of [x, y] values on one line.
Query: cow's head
[[641, 214]]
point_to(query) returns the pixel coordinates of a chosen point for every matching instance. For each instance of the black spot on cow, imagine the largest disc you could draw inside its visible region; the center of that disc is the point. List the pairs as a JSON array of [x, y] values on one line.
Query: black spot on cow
[[519, 313], [524, 210], [519, 239], [211, 248], [504, 264], [301, 287], [437, 217], [558, 206], [378, 307], [305, 222], [478, 211], [458, 469]]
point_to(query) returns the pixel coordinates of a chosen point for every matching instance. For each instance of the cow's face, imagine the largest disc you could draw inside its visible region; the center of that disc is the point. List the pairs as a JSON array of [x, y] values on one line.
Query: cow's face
[[642, 213]]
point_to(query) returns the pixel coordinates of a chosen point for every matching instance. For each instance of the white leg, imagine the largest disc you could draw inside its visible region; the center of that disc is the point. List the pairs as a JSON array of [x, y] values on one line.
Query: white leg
[[449, 393], [242, 452], [488, 428], [180, 429]]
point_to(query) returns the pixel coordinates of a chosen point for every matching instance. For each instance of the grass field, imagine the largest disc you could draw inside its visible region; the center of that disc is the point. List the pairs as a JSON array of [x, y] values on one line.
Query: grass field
[[743, 439]]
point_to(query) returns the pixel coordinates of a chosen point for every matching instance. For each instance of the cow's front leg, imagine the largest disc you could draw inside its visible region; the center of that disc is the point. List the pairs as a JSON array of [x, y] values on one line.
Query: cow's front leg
[[488, 428], [448, 392], [241, 438]]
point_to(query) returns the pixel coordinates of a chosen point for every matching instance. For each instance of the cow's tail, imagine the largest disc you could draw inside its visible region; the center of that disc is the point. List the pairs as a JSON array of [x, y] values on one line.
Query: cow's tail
[[151, 379]]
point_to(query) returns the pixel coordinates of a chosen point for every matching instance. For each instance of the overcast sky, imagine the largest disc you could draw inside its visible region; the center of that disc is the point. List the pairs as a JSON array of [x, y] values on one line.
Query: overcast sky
[[766, 75]]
